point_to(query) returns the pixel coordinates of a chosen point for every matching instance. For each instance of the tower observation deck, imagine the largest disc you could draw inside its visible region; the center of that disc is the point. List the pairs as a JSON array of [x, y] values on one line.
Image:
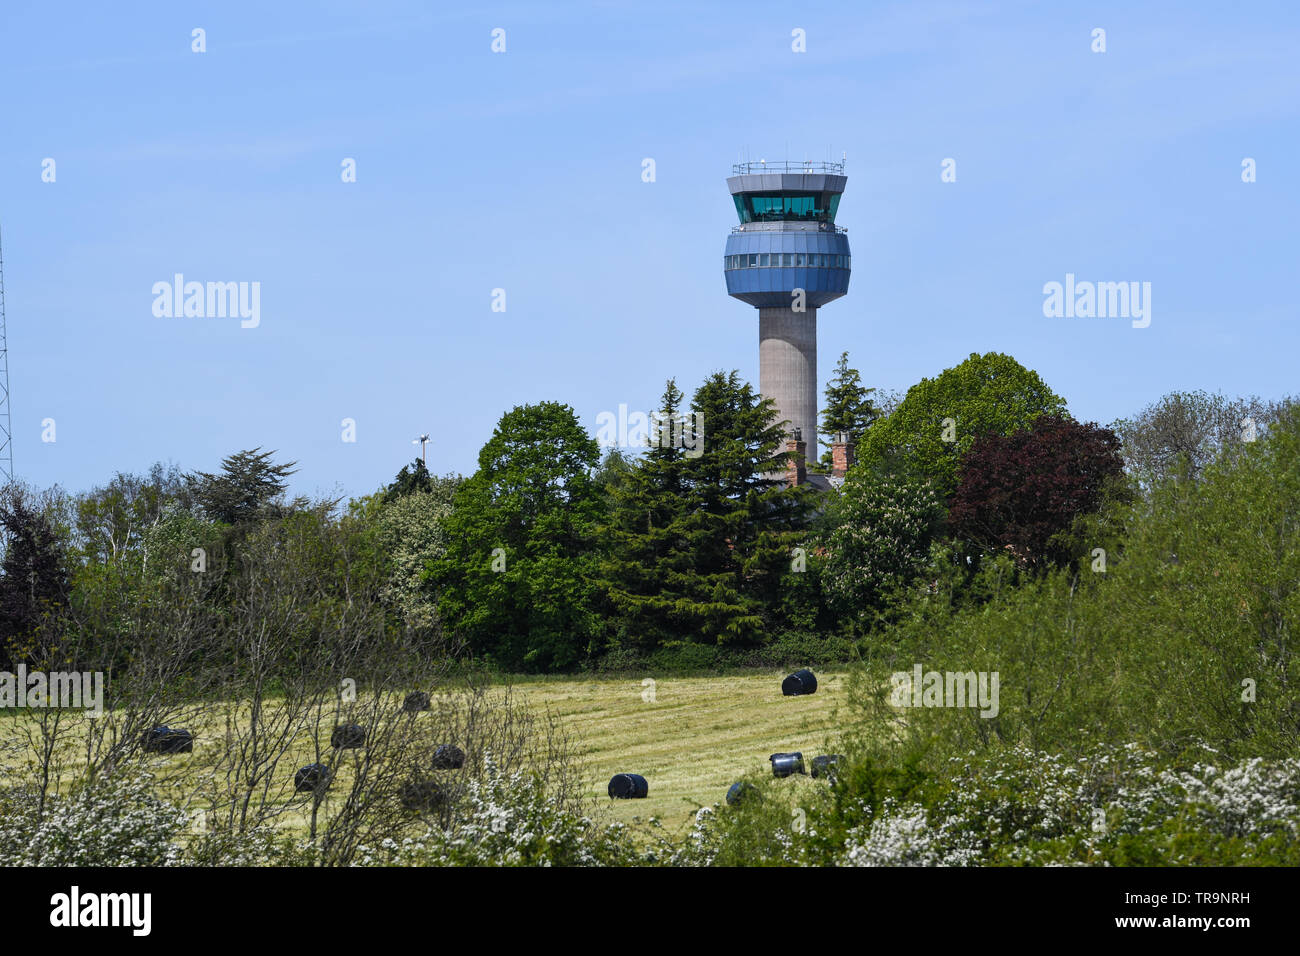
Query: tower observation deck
[[787, 258]]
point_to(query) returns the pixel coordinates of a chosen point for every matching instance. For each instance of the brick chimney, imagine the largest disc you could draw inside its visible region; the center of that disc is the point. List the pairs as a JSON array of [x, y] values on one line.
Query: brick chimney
[[843, 455], [796, 465]]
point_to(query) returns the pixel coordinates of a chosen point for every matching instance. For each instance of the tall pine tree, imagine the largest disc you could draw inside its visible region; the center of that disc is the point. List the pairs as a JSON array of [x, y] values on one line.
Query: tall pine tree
[[412, 479], [696, 545], [848, 407], [641, 548]]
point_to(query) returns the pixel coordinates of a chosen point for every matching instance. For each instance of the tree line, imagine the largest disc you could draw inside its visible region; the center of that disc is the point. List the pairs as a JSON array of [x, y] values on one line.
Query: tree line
[[553, 556]]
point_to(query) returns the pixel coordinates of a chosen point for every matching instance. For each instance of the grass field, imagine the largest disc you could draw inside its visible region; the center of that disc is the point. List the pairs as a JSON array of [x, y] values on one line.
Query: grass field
[[691, 739], [698, 736]]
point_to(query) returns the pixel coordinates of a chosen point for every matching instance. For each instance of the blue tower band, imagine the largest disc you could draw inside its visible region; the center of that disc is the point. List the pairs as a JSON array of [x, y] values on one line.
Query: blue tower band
[[787, 258]]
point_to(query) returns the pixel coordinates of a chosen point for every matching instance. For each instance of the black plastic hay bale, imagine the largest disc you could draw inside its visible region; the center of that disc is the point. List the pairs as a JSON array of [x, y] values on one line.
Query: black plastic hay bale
[[628, 786], [423, 796], [416, 700], [742, 791], [799, 683], [783, 765], [165, 740], [348, 736], [314, 776], [826, 766], [448, 757]]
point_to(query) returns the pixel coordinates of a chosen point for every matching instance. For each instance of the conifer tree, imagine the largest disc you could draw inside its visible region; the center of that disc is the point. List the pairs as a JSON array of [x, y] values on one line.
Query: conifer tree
[[248, 487], [849, 408], [697, 544], [412, 479], [641, 550]]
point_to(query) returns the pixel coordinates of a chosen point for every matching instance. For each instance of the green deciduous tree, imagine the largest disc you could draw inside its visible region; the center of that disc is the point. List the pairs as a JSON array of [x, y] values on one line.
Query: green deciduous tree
[[1182, 432], [941, 417], [614, 467], [1184, 638], [112, 521], [515, 580]]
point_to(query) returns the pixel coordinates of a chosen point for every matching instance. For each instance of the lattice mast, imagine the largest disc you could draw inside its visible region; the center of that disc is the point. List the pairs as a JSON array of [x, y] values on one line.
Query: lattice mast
[[6, 424]]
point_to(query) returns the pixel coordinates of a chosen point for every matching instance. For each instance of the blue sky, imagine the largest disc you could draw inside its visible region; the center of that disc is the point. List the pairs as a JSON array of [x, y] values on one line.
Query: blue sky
[[522, 171]]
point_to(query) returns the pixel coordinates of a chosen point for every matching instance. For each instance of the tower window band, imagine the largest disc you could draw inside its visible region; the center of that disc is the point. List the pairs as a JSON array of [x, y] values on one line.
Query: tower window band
[[787, 207], [787, 260]]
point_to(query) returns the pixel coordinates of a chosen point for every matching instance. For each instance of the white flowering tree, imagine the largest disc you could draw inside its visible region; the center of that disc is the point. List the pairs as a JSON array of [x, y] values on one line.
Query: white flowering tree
[[882, 526]]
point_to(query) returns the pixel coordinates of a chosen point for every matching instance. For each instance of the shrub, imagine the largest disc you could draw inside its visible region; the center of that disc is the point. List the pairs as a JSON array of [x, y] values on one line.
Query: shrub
[[1117, 806], [508, 819], [114, 822], [1188, 634]]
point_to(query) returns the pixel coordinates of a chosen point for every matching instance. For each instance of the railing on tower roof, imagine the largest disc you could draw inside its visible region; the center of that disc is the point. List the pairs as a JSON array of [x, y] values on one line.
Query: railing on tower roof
[[749, 169], [821, 227]]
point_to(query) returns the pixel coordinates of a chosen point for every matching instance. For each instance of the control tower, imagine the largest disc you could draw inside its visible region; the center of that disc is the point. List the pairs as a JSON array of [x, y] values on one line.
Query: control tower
[[787, 258]]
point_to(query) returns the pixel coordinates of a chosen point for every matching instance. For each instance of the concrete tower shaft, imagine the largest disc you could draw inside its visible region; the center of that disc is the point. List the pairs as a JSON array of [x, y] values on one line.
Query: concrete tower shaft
[[787, 368]]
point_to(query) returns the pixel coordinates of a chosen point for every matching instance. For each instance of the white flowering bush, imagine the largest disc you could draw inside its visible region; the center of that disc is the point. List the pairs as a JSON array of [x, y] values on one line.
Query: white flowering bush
[[764, 830], [115, 822], [508, 819], [1111, 807], [256, 846], [120, 821], [1114, 806], [902, 836], [700, 847]]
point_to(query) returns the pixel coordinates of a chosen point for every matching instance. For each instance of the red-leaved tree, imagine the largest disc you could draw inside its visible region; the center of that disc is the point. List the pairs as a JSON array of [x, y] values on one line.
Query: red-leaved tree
[[1018, 492]]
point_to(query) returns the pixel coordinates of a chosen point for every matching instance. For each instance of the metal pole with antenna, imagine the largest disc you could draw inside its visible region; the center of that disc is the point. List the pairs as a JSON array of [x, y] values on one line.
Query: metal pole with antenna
[[422, 441]]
